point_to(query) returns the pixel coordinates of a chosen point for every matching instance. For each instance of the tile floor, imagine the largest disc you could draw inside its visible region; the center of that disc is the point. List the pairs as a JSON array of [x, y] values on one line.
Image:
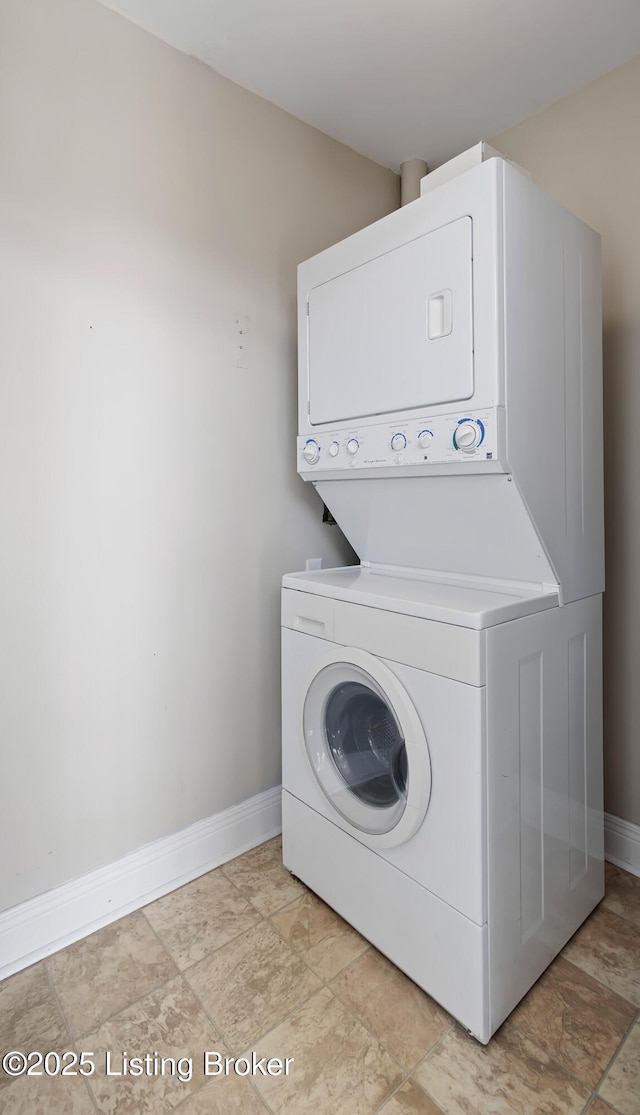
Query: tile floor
[[245, 958]]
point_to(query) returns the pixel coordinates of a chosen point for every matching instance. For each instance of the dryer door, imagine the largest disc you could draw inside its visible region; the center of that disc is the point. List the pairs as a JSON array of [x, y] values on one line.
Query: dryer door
[[367, 746], [396, 332]]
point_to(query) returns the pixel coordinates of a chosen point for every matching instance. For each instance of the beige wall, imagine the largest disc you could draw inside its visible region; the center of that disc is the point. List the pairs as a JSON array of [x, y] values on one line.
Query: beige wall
[[149, 504], [585, 151]]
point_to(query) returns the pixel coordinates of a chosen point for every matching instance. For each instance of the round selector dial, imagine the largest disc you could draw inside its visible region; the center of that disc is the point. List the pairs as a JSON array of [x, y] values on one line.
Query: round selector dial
[[311, 451], [334, 449], [425, 437], [468, 435], [398, 443], [353, 446]]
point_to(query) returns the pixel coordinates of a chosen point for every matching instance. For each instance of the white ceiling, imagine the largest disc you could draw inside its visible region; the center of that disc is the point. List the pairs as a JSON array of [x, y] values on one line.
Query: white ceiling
[[398, 79]]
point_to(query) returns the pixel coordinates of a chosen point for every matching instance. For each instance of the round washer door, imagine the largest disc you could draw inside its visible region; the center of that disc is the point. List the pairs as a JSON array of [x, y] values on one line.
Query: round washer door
[[367, 747]]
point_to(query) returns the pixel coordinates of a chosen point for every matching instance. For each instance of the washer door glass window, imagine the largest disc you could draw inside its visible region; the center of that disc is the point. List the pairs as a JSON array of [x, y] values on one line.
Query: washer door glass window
[[367, 748], [366, 744]]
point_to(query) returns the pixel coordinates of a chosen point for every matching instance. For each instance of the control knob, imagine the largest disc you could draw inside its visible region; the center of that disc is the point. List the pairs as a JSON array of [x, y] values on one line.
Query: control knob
[[398, 443], [425, 437], [468, 435], [334, 449], [311, 451], [353, 446]]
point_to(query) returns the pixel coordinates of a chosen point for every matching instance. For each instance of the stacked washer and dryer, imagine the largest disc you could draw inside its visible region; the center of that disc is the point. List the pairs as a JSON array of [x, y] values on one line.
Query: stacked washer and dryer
[[442, 747]]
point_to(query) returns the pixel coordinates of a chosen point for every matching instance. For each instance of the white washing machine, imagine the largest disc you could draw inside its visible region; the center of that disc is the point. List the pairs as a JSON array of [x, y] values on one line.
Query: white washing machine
[[430, 795], [442, 772]]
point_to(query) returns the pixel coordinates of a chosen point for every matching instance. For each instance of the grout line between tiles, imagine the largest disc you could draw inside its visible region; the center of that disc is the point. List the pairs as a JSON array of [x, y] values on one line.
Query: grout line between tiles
[[391, 1094], [616, 914], [231, 1049], [262, 918], [302, 956], [573, 960], [574, 964], [210, 951], [127, 1006], [619, 1048], [224, 1040], [569, 1072], [73, 1043], [332, 991], [555, 1060], [57, 1001], [426, 1057], [592, 1099], [325, 983]]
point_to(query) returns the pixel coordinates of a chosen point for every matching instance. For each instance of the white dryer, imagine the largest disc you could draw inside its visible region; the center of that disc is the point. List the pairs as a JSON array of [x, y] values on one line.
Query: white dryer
[[442, 772]]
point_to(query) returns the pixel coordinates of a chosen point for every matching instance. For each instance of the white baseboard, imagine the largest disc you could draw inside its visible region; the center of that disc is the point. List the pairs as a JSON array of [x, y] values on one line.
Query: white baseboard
[[622, 843], [59, 917], [53, 920]]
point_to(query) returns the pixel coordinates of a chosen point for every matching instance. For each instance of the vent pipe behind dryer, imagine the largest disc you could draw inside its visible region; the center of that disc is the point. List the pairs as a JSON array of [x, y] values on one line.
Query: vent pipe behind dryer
[[411, 172]]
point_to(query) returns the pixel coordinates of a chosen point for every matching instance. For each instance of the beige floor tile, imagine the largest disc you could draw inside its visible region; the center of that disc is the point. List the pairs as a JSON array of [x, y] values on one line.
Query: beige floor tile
[[575, 1019], [621, 1086], [252, 983], [227, 1095], [410, 1100], [622, 895], [599, 1107], [339, 1068], [262, 879], [200, 917], [406, 1020], [608, 948], [53, 1095], [108, 970], [510, 1075], [169, 1023], [30, 1018], [327, 943]]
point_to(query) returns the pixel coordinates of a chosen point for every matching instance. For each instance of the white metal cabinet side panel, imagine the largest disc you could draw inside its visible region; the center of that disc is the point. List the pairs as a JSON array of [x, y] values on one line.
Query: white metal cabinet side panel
[[553, 377], [441, 648], [437, 947], [476, 525], [370, 351], [544, 791], [447, 854], [476, 195]]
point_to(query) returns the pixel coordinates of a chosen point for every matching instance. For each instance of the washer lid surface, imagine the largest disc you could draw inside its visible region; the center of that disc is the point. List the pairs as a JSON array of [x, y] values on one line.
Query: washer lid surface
[[467, 604]]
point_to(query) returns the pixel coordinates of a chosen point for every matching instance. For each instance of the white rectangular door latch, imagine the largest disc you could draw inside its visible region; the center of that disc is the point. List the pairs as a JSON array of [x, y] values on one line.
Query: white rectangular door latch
[[439, 314]]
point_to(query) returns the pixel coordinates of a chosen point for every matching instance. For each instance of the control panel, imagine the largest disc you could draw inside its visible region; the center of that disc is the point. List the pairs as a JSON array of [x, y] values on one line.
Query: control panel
[[443, 439]]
